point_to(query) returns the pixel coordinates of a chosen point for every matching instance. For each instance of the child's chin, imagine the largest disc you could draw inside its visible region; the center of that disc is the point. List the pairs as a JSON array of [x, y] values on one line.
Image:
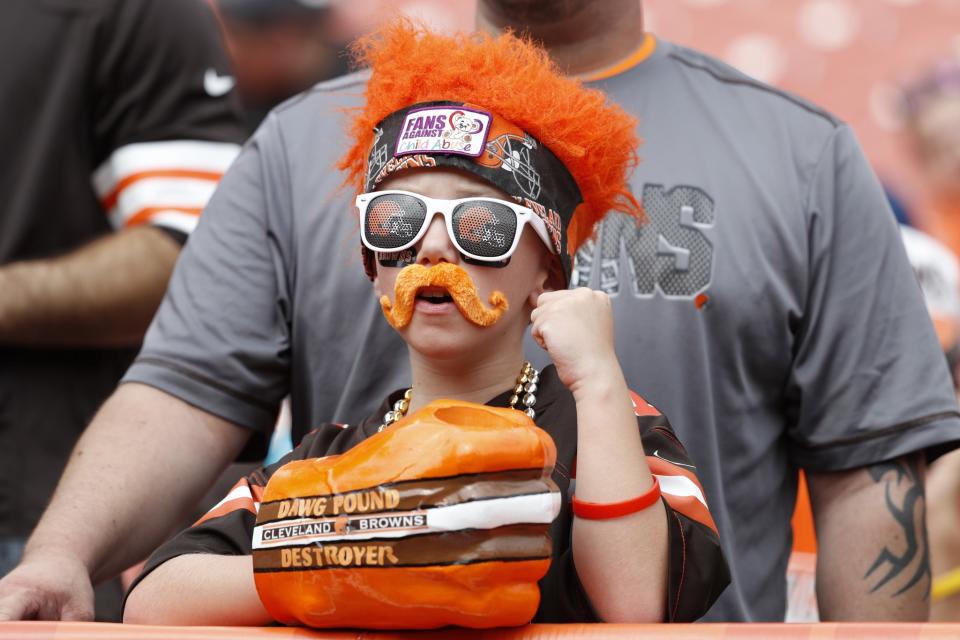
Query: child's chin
[[442, 345]]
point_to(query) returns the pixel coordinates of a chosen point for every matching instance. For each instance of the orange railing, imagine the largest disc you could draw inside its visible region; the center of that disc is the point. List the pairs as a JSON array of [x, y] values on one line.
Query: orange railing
[[105, 631]]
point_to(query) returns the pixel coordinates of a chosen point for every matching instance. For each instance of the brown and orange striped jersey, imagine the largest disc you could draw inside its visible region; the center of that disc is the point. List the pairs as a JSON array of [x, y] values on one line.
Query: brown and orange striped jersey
[[697, 570], [115, 113]]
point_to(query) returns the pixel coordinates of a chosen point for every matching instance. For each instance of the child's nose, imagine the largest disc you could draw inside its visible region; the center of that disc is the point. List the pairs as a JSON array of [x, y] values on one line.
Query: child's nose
[[436, 246]]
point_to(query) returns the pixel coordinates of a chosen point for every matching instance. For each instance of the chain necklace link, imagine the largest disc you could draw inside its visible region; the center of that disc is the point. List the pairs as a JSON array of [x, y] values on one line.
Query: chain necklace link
[[524, 394]]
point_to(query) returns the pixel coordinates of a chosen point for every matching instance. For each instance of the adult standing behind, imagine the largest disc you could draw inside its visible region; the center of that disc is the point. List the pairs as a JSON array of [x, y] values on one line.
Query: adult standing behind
[[931, 113], [116, 127], [279, 48], [748, 307]]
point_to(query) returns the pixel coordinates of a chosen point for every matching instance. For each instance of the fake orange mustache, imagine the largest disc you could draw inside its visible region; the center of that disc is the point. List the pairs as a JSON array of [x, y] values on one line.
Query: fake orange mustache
[[458, 284]]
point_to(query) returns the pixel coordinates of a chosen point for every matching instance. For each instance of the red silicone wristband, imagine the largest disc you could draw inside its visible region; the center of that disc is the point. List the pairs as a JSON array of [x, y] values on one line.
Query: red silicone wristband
[[601, 511]]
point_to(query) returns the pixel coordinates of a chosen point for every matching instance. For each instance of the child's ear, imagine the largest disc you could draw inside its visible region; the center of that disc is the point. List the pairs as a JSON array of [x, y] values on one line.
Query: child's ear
[[532, 299], [555, 277], [550, 279]]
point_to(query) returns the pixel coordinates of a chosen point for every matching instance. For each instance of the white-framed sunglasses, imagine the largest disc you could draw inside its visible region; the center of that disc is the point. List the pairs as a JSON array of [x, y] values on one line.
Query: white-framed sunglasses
[[484, 229]]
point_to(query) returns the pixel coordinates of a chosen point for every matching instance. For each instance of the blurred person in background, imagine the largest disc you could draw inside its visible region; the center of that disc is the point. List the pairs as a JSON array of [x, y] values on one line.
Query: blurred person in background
[[117, 121], [747, 306], [279, 48], [938, 271], [931, 109]]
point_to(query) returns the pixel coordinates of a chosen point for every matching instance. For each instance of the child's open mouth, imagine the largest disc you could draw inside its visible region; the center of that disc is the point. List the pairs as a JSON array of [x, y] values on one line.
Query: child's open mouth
[[434, 295]]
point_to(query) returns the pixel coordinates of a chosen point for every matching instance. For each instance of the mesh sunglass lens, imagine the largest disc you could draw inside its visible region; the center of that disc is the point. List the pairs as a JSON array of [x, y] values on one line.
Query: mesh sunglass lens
[[393, 220], [485, 229]]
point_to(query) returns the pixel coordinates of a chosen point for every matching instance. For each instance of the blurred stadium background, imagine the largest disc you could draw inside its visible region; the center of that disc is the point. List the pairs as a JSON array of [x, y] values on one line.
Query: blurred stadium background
[[849, 56]]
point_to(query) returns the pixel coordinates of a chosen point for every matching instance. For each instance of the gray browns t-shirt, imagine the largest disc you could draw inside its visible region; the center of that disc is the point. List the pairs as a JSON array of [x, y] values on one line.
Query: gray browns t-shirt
[[767, 307]]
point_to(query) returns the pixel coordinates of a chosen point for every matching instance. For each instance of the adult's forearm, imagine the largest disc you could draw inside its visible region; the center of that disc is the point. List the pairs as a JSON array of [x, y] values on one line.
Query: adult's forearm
[[145, 460], [103, 294], [873, 559]]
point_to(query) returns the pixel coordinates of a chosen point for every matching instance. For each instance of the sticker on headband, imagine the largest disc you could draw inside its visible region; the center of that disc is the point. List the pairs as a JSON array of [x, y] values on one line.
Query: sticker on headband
[[458, 130]]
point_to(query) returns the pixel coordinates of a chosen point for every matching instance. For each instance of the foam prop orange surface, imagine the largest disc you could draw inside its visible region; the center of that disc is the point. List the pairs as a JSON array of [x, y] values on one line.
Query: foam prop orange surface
[[451, 277], [423, 525]]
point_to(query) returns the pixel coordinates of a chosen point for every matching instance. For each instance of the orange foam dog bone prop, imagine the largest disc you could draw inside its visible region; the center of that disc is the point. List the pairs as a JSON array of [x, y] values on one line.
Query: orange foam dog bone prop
[[451, 277], [440, 519]]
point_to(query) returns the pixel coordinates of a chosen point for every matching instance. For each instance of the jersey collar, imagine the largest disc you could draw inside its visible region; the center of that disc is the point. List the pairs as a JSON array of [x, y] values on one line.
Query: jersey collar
[[644, 51]]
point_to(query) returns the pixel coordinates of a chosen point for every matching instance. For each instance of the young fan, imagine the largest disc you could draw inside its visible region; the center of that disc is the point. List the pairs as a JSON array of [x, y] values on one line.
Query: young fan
[[481, 170]]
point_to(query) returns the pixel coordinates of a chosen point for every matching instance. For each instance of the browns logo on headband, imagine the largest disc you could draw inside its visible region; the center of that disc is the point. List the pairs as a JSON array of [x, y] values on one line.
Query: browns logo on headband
[[552, 145]]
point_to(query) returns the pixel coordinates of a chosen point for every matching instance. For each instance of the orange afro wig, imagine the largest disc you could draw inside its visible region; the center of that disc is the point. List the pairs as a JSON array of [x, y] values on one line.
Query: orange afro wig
[[595, 140]]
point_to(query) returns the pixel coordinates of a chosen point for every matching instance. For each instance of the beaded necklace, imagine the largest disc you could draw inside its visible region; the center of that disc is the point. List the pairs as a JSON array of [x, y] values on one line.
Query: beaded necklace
[[524, 394]]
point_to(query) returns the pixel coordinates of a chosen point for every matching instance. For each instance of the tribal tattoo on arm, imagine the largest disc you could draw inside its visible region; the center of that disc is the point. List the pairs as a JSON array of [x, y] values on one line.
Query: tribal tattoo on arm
[[905, 501]]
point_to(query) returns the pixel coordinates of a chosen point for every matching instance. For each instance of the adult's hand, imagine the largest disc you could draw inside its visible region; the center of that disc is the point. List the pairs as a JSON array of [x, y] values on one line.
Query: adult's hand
[[47, 586], [95, 526]]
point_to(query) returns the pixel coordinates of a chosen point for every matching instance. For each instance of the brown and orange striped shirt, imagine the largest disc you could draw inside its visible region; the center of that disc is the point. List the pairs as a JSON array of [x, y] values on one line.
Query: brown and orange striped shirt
[[697, 572]]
